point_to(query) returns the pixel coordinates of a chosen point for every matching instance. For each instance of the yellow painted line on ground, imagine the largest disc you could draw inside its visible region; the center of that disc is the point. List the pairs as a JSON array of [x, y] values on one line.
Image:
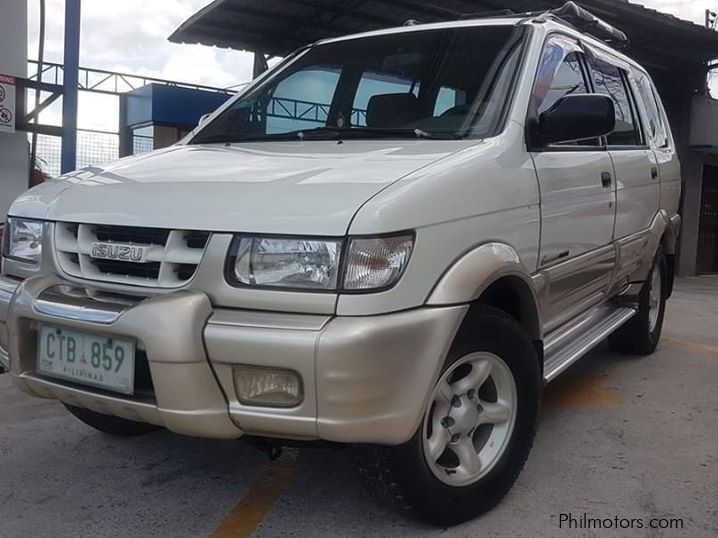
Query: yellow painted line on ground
[[695, 346], [580, 391], [267, 488]]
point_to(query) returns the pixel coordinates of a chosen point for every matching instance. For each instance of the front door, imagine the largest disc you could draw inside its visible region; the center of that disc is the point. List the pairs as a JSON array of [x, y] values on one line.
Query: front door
[[578, 197]]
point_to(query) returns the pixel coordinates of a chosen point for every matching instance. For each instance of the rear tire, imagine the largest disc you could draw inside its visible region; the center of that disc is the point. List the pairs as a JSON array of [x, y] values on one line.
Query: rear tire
[[640, 336], [437, 475], [110, 425]]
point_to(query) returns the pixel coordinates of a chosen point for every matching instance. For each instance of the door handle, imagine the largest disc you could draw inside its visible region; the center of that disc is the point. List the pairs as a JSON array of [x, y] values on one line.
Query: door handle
[[606, 179], [654, 172]]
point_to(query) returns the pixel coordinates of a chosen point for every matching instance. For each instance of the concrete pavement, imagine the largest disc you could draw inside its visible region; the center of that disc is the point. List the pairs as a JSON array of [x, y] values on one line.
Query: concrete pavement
[[619, 436]]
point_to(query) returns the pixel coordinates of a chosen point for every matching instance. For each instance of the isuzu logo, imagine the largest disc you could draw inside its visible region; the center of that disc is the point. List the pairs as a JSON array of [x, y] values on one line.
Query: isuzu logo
[[114, 251]]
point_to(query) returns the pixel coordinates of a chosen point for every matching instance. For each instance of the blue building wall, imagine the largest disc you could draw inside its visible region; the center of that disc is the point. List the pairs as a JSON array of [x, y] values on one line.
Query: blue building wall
[[158, 104]]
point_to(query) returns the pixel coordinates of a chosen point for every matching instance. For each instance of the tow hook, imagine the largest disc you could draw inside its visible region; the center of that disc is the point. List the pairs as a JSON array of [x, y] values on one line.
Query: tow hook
[[271, 448], [274, 452]]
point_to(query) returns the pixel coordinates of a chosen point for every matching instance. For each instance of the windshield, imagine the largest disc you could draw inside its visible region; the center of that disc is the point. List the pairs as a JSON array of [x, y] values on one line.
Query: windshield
[[446, 83]]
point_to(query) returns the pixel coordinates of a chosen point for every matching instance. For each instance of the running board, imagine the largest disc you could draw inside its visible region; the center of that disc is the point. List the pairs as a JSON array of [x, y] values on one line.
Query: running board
[[566, 345]]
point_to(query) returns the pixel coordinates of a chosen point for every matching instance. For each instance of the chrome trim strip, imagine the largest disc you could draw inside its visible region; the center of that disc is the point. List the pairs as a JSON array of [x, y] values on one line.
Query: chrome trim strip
[[59, 302]]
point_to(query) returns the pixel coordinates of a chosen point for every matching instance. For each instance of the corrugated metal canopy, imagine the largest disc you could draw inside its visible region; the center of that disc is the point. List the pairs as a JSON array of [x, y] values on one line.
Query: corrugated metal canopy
[[277, 27]]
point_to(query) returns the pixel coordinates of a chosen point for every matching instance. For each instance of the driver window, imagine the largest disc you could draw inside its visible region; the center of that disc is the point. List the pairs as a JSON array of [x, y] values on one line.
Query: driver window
[[561, 72]]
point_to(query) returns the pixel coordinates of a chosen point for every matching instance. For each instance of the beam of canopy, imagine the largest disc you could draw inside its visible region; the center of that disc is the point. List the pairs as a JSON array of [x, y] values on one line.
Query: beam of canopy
[[277, 27]]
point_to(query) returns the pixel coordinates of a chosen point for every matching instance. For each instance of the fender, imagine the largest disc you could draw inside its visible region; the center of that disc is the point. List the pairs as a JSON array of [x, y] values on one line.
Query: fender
[[673, 232], [474, 272], [635, 253]]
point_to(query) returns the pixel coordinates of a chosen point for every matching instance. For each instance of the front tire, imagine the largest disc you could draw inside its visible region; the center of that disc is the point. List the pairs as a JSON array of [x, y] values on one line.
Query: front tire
[[110, 425], [476, 432], [640, 336]]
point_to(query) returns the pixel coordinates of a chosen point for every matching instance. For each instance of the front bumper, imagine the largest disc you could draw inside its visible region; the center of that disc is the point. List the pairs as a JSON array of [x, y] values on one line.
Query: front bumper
[[365, 379]]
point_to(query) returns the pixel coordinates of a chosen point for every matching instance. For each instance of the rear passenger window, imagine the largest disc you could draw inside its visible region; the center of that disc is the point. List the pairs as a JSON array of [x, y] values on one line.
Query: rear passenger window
[[654, 118], [612, 81], [450, 100], [374, 83]]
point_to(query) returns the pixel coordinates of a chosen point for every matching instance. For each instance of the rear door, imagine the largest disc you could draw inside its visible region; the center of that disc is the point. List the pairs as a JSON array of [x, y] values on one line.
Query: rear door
[[658, 134], [577, 256], [635, 164]]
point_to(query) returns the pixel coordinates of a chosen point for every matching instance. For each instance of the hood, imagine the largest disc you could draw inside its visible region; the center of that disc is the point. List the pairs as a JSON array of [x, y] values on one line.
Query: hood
[[309, 188]]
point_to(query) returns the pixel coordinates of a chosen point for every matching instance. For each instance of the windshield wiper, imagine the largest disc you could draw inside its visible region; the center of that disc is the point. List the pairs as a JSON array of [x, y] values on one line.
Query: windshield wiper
[[327, 133], [224, 138], [344, 133]]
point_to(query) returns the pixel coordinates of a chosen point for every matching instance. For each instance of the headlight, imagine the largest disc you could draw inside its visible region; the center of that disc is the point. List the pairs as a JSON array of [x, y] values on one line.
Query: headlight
[[286, 263], [23, 240], [370, 264]]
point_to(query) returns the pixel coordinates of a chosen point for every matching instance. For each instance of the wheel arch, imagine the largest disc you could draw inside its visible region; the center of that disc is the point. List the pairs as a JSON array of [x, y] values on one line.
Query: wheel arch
[[492, 274]]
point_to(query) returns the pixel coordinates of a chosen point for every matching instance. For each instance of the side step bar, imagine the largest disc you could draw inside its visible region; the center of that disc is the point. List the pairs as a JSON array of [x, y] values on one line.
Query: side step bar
[[566, 345]]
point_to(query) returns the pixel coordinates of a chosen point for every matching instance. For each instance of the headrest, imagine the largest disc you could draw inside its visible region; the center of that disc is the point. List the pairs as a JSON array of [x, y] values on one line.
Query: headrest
[[392, 110]]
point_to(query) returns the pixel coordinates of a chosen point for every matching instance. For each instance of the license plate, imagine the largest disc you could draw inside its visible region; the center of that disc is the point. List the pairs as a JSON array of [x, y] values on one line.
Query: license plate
[[89, 359]]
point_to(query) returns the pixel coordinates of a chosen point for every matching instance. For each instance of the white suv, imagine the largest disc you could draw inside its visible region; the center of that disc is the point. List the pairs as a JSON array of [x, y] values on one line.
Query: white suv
[[392, 239]]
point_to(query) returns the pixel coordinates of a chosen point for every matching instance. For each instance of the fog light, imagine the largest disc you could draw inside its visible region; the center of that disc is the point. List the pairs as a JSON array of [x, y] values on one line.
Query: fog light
[[267, 386]]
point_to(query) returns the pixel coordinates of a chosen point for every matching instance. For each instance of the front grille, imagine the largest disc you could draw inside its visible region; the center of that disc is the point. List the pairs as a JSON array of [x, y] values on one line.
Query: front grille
[[128, 234], [171, 256], [138, 270]]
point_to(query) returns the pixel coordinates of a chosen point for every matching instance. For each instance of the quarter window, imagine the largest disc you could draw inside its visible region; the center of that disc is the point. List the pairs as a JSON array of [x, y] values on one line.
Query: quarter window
[[654, 119], [610, 80]]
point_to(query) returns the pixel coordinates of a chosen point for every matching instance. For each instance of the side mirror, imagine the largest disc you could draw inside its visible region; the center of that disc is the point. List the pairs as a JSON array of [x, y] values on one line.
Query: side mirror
[[203, 119], [577, 117]]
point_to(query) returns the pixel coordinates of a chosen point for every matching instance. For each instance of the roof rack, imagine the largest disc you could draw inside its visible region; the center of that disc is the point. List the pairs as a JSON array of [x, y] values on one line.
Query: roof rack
[[570, 13], [495, 14], [584, 20]]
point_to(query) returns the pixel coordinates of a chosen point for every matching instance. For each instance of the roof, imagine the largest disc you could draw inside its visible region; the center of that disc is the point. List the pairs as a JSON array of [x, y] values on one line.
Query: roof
[[281, 26]]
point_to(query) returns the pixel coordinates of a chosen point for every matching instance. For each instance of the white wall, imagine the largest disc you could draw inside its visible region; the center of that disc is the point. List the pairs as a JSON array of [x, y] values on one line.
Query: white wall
[[14, 150]]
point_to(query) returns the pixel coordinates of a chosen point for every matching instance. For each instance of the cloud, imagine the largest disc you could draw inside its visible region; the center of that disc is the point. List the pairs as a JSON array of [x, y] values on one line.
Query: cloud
[[131, 36]]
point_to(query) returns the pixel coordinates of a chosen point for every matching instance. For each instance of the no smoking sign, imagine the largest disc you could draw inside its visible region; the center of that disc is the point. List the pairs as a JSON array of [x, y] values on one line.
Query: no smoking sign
[[7, 104], [5, 115]]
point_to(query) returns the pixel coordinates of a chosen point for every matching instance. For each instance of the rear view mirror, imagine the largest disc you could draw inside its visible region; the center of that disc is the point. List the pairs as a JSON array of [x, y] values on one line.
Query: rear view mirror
[[577, 117]]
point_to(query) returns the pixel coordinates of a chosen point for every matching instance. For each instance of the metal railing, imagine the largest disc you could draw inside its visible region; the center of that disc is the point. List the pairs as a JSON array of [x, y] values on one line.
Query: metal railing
[[298, 110], [108, 82], [93, 148]]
